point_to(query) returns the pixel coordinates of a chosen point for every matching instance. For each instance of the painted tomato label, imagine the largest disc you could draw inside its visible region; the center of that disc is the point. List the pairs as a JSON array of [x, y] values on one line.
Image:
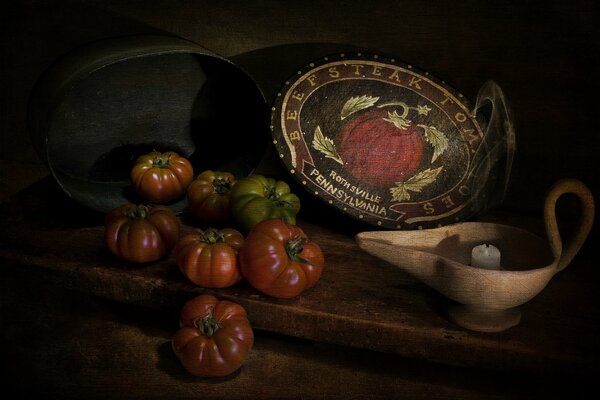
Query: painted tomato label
[[378, 140]]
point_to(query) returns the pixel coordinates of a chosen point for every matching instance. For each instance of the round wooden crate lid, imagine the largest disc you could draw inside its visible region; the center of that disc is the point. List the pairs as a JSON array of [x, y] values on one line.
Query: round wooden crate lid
[[379, 140]]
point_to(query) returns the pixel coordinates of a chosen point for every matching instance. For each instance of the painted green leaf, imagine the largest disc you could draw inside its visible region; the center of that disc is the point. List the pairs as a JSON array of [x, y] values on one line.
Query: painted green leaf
[[326, 146], [416, 183], [355, 104], [437, 139]]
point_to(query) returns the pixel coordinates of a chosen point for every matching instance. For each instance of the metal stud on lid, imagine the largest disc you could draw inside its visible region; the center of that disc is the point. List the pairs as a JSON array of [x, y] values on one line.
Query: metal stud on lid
[[381, 141]]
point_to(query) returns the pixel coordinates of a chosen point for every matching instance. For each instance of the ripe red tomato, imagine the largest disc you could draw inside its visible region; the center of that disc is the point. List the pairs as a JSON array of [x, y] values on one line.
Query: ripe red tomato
[[208, 196], [279, 260], [215, 336], [210, 258], [161, 177], [377, 152], [141, 233]]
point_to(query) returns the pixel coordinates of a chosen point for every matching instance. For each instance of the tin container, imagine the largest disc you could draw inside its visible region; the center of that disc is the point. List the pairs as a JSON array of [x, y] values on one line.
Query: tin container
[[102, 105]]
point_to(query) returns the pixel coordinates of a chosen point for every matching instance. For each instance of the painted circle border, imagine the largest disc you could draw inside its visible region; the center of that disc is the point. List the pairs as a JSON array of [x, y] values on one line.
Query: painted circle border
[[287, 152]]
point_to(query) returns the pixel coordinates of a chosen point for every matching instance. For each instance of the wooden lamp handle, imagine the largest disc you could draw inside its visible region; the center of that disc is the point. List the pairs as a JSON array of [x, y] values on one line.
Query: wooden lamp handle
[[565, 252]]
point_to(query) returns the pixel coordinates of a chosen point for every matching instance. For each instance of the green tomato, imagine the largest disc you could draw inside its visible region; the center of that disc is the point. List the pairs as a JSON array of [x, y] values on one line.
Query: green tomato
[[256, 198]]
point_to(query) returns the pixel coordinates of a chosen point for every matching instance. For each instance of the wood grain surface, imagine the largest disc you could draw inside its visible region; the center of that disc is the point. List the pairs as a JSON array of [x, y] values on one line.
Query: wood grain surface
[[69, 345], [360, 301]]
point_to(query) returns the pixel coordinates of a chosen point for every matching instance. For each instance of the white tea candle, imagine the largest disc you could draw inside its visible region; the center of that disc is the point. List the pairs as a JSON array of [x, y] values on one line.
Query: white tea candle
[[485, 256]]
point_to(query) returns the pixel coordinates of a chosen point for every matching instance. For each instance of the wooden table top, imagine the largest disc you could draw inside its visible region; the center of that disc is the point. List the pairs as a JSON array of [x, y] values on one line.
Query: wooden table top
[[64, 344], [365, 328]]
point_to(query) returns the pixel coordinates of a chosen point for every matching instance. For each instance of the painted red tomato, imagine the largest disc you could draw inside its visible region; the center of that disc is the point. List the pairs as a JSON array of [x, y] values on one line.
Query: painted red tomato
[[377, 152], [210, 258], [141, 233], [215, 336], [161, 177]]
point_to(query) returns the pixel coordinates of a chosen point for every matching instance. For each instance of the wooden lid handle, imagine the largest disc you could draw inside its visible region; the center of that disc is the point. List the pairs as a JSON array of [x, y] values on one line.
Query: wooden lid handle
[[565, 252]]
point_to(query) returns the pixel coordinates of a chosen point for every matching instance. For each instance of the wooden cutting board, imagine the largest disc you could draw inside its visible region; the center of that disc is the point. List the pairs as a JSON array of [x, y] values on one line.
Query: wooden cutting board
[[360, 300]]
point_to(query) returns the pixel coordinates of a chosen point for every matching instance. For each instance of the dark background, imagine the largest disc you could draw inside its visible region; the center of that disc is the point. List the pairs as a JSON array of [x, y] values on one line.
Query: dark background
[[545, 56]]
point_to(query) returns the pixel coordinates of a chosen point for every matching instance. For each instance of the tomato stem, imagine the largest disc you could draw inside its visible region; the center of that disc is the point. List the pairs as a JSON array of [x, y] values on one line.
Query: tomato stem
[[282, 203], [271, 193], [161, 160], [207, 325], [212, 236], [138, 212], [294, 247], [221, 185]]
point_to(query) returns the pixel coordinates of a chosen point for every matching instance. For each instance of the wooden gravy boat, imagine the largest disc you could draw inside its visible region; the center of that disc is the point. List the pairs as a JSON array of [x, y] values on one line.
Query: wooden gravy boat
[[488, 300]]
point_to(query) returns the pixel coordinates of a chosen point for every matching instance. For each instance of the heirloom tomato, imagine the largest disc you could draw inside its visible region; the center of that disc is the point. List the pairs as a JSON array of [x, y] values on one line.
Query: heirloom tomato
[[279, 260], [256, 198], [141, 233], [215, 336], [210, 258], [208, 196], [161, 177]]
